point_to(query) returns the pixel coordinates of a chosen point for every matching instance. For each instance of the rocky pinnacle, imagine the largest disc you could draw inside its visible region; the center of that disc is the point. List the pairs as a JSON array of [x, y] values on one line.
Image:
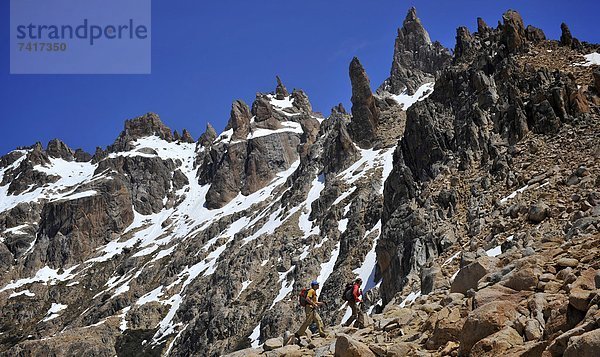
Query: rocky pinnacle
[[239, 120], [416, 58], [280, 91], [365, 114]]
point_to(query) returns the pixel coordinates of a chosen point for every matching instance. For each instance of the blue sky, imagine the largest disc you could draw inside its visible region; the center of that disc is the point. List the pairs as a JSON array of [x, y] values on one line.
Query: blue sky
[[206, 54]]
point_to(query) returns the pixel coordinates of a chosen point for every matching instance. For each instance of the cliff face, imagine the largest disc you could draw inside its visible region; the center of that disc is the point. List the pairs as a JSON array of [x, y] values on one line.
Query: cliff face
[[464, 193]]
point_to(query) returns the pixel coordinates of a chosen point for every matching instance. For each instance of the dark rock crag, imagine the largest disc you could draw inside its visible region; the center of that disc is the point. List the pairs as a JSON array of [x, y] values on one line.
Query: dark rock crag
[[365, 114], [416, 58]]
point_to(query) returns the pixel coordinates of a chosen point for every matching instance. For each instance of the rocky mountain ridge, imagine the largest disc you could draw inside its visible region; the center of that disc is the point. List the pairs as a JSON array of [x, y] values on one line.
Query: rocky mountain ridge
[[464, 193]]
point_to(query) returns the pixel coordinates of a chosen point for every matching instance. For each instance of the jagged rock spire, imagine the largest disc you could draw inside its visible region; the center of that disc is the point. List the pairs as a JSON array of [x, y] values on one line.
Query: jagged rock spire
[[239, 120], [262, 108], [513, 31], [412, 32], [208, 137], [186, 137], [58, 149], [464, 41], [365, 114], [338, 109], [566, 39], [482, 27], [301, 101], [416, 58], [280, 92]]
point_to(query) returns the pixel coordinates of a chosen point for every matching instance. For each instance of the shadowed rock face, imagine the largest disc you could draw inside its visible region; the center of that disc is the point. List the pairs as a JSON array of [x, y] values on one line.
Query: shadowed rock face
[[149, 180], [71, 230], [246, 166], [416, 58], [339, 147], [365, 114]]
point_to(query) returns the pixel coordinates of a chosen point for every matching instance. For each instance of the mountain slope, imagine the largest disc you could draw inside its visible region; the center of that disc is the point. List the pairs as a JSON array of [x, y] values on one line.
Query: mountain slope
[[160, 245]]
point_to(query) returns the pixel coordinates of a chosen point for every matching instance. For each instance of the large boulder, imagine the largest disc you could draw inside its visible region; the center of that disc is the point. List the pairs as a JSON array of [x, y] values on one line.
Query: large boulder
[[524, 277], [585, 345], [468, 276], [346, 346], [484, 321], [448, 326], [538, 212], [497, 344], [273, 343]]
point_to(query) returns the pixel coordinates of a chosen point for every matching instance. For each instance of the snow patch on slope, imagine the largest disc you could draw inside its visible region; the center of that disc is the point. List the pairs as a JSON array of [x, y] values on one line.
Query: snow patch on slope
[[287, 102], [406, 100], [25, 292], [366, 272], [286, 287], [327, 267], [45, 275], [514, 194], [53, 312], [71, 174], [590, 59], [305, 224]]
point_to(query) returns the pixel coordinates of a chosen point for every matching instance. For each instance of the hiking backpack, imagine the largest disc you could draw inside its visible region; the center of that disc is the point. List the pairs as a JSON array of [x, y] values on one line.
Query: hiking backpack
[[348, 295], [302, 296]]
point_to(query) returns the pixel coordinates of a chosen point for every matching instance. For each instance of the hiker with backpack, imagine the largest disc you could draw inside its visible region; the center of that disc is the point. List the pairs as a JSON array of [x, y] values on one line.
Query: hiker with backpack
[[353, 295], [309, 300]]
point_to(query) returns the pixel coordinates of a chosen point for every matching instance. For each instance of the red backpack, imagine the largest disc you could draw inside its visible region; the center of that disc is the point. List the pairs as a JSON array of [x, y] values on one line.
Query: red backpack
[[302, 296], [348, 294]]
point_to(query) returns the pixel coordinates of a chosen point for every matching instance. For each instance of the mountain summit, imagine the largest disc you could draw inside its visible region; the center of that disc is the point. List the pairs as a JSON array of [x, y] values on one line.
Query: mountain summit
[[416, 58]]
